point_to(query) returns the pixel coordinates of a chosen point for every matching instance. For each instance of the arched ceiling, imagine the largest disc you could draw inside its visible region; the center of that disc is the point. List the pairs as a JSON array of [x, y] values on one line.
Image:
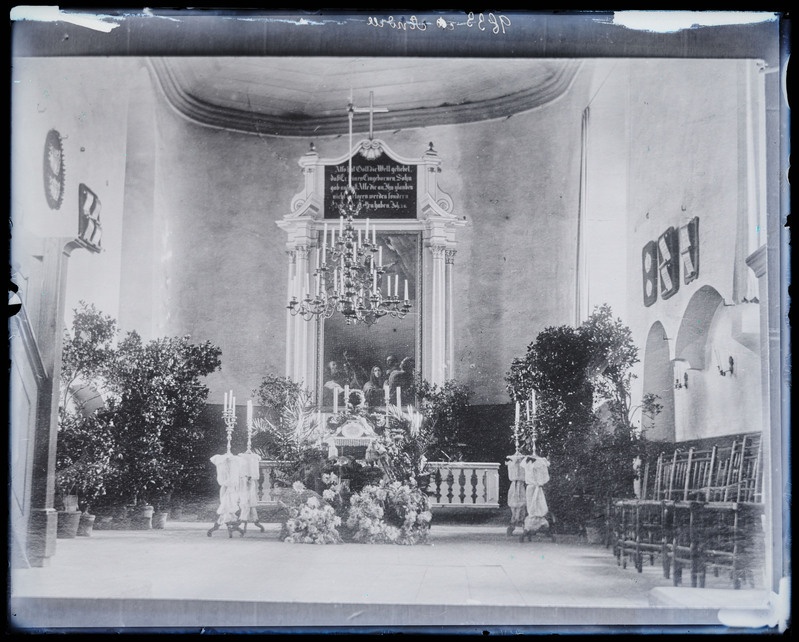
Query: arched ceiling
[[297, 96]]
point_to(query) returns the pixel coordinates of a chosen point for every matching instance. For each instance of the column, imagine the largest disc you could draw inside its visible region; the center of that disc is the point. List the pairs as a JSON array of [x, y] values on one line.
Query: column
[[301, 326], [290, 319], [438, 324], [42, 524], [771, 438], [450, 329]]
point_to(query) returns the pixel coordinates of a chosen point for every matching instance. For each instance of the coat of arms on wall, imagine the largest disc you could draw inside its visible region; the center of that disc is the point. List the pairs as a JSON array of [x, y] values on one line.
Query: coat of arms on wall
[[53, 169], [90, 230]]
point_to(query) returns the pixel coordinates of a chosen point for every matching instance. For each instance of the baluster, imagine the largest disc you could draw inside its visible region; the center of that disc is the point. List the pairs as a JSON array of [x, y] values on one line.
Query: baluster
[[482, 487], [438, 481], [450, 485], [261, 474], [461, 486], [473, 482]]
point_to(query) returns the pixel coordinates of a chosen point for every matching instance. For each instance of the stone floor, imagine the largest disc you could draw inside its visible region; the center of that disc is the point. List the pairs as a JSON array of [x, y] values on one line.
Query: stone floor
[[467, 576]]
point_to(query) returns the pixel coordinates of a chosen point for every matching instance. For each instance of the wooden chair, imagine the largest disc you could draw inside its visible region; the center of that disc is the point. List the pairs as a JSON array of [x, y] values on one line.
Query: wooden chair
[[732, 531], [685, 544], [652, 519]]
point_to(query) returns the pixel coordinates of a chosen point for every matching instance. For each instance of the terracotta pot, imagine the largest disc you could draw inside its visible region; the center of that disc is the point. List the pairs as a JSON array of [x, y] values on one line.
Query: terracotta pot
[[142, 518], [159, 519], [68, 522], [86, 525]]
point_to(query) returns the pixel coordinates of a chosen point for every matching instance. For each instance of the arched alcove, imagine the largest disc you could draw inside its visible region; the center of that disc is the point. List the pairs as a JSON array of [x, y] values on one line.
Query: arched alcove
[[658, 381], [692, 336]]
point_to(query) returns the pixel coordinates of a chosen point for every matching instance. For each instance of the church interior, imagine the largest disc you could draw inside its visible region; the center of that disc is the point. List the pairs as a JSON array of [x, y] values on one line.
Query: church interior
[[197, 195]]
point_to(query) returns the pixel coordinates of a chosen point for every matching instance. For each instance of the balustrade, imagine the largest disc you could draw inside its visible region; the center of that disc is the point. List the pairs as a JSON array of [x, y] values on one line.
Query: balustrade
[[463, 484]]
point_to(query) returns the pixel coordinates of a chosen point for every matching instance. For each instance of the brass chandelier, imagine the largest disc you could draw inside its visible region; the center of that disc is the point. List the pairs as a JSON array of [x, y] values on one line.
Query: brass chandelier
[[350, 277]]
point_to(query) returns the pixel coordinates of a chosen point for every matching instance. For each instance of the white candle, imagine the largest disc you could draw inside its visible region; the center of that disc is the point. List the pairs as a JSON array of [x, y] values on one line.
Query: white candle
[[385, 391], [517, 413], [249, 412], [527, 408], [406, 289], [396, 286], [307, 284], [225, 406], [532, 403], [374, 236], [233, 405], [318, 254], [230, 400], [366, 232], [335, 400], [318, 284], [399, 397], [380, 256], [324, 250], [340, 225], [346, 395], [324, 242], [359, 237], [374, 281]]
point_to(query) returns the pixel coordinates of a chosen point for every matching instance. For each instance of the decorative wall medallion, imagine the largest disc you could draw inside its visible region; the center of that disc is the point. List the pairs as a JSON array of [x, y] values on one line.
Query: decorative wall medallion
[[54, 173]]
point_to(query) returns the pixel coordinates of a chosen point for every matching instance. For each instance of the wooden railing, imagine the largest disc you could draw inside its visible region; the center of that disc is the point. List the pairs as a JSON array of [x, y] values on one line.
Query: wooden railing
[[463, 484], [473, 485]]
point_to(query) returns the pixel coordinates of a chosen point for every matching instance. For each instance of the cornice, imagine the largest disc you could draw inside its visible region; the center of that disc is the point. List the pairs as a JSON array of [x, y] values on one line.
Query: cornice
[[223, 117]]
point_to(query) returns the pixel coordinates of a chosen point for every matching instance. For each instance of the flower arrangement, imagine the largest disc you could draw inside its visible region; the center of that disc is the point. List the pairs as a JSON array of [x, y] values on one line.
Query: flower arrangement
[[390, 513], [314, 522]]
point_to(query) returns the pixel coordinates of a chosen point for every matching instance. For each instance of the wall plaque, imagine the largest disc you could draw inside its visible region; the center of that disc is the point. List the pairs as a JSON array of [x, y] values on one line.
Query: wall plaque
[[386, 188]]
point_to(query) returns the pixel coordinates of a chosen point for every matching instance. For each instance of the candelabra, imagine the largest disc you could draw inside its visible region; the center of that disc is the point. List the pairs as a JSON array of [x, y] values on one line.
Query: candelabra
[[229, 417], [350, 278]]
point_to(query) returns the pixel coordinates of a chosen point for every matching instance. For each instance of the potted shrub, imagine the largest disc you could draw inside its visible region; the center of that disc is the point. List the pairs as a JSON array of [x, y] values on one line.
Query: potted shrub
[[83, 461]]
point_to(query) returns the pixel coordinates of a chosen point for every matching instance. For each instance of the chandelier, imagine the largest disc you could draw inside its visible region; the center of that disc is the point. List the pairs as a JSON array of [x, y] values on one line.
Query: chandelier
[[350, 277]]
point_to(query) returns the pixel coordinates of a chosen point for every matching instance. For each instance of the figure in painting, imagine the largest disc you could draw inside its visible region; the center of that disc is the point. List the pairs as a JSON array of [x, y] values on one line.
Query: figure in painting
[[374, 388], [391, 366], [354, 374], [334, 383], [402, 378]]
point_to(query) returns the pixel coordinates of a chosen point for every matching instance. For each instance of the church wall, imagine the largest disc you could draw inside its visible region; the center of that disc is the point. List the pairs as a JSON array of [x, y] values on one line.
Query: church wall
[[686, 157], [84, 101]]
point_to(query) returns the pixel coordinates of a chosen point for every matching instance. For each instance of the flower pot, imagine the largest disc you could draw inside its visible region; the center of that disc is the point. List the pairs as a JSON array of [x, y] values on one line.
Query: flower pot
[[593, 534], [68, 522], [70, 503], [142, 518], [159, 519], [86, 525]]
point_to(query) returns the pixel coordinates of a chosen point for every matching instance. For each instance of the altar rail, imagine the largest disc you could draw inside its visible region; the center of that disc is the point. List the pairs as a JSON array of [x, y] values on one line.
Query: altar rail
[[462, 484]]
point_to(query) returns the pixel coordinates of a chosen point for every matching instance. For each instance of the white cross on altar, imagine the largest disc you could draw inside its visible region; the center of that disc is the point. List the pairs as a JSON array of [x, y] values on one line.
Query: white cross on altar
[[371, 109]]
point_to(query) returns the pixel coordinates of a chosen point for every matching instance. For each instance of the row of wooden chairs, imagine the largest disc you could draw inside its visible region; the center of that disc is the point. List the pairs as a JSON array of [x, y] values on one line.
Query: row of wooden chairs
[[700, 509]]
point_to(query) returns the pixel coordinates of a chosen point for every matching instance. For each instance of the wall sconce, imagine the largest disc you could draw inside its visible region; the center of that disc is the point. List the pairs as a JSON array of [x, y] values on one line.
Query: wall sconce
[[681, 384], [731, 369]]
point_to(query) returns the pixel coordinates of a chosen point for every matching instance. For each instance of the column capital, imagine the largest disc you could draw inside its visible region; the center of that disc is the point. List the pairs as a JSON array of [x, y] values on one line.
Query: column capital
[[302, 252], [758, 261], [438, 251], [450, 255]]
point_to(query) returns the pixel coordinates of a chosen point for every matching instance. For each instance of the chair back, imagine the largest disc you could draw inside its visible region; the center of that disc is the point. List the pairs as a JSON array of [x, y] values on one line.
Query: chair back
[[698, 477], [750, 476]]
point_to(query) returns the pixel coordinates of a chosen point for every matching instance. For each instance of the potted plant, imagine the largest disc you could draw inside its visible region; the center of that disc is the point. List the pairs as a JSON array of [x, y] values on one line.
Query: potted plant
[[83, 462]]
